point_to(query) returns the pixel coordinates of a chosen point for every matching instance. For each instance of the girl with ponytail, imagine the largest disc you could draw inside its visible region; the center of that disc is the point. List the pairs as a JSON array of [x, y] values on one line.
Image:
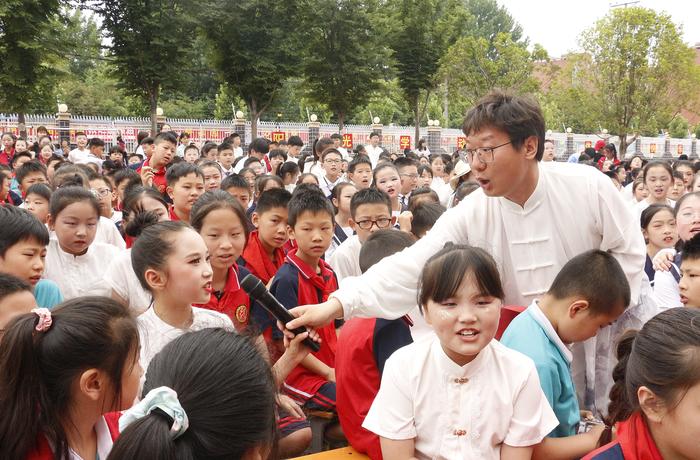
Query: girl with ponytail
[[208, 395], [655, 401], [64, 371]]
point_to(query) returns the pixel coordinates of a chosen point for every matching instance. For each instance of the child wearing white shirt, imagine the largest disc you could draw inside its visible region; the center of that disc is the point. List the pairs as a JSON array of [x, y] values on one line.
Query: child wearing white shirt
[[171, 261], [74, 260], [460, 394]]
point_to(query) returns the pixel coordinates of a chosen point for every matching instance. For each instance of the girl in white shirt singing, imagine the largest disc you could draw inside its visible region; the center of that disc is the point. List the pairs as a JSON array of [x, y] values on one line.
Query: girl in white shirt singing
[[171, 261], [74, 260], [460, 394]]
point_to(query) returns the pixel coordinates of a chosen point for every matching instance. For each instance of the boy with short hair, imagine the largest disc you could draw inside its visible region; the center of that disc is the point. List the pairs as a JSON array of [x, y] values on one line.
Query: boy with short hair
[[37, 201], [236, 186], [101, 187], [408, 174], [96, 151], [23, 241], [364, 345], [185, 185], [153, 169], [373, 149], [370, 210], [295, 144], [331, 160], [304, 279], [122, 179], [30, 173], [17, 162], [688, 285], [191, 153], [263, 254], [225, 157], [360, 172], [257, 149], [589, 293], [212, 174], [16, 299]]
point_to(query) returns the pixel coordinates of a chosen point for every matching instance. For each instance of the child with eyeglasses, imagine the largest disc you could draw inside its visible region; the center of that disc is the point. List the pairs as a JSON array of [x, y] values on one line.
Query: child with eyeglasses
[[370, 210]]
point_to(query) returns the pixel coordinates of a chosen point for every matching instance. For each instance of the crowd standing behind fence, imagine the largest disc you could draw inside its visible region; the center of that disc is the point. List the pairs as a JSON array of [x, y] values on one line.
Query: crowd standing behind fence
[[392, 138]]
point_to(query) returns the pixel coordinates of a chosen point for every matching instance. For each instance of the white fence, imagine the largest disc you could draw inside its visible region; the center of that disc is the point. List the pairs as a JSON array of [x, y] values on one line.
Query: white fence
[[394, 138]]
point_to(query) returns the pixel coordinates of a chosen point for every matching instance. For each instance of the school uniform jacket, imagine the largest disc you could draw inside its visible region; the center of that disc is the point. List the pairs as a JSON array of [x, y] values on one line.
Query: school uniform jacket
[[364, 345], [296, 283]]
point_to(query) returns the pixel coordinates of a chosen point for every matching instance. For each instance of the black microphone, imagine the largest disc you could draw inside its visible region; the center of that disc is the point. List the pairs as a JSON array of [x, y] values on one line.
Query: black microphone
[[257, 290]]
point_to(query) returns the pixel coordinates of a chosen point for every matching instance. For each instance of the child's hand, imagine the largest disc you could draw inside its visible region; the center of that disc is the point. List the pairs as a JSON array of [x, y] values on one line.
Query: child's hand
[[662, 260], [330, 375], [314, 315], [147, 176], [295, 349], [586, 415], [288, 405], [405, 219]]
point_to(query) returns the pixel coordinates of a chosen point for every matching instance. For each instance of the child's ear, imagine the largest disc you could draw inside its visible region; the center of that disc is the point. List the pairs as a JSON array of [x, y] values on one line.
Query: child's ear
[[393, 220], [169, 191], [155, 279], [353, 224], [290, 232], [50, 222], [577, 307], [92, 384], [335, 202], [255, 218], [651, 405]]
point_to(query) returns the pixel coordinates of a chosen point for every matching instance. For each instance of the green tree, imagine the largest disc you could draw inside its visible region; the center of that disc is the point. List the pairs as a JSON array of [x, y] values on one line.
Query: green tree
[[253, 46], [78, 36], [488, 20], [642, 72], [149, 44], [473, 66], [422, 32], [342, 57], [25, 74], [679, 127]]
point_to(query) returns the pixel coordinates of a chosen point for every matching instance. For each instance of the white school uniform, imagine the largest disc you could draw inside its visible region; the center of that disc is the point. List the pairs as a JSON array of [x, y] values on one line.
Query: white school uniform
[[107, 232], [154, 333], [640, 206], [121, 278], [79, 275], [373, 154], [460, 412], [345, 260], [574, 208]]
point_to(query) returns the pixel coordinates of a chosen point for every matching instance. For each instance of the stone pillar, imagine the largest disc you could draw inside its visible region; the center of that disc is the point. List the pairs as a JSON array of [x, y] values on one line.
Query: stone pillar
[[667, 147], [239, 128], [314, 128], [693, 147], [160, 121], [378, 128], [63, 122], [569, 143], [434, 138], [638, 146]]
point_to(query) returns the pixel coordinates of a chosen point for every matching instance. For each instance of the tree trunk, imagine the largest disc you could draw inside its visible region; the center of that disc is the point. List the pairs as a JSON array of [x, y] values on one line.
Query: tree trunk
[[623, 146], [341, 121], [446, 105], [416, 120], [22, 125], [153, 107], [254, 115]]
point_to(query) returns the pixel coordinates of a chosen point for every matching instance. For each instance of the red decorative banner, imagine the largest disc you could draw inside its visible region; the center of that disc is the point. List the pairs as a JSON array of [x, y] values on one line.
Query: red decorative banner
[[461, 142], [278, 136], [680, 149], [405, 142], [347, 141], [652, 148], [588, 144]]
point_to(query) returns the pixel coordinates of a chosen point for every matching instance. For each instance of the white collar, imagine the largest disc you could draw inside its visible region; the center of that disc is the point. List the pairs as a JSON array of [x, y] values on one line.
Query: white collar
[[451, 368], [533, 201], [536, 312]]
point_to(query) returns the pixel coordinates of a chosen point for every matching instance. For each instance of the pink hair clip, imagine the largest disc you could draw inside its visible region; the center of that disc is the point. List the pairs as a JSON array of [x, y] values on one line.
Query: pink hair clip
[[45, 320]]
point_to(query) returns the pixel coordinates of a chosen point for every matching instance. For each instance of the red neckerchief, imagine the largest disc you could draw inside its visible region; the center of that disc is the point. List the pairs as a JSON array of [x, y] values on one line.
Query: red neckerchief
[[635, 439], [268, 166], [324, 281], [257, 260], [171, 212]]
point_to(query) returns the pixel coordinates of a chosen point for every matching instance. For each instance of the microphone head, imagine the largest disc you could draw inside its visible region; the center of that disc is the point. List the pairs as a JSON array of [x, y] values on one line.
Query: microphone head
[[253, 286]]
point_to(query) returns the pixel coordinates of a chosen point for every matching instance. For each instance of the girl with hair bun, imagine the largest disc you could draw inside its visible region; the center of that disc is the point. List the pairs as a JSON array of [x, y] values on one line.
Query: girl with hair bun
[[655, 400]]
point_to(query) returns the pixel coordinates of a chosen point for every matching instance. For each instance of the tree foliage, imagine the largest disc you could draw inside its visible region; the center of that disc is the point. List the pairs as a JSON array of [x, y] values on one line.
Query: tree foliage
[[254, 48], [149, 44], [343, 53], [25, 70], [422, 31], [641, 71]]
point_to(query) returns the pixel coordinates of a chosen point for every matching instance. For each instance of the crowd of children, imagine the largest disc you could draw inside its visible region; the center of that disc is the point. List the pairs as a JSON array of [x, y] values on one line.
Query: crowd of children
[[126, 332]]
